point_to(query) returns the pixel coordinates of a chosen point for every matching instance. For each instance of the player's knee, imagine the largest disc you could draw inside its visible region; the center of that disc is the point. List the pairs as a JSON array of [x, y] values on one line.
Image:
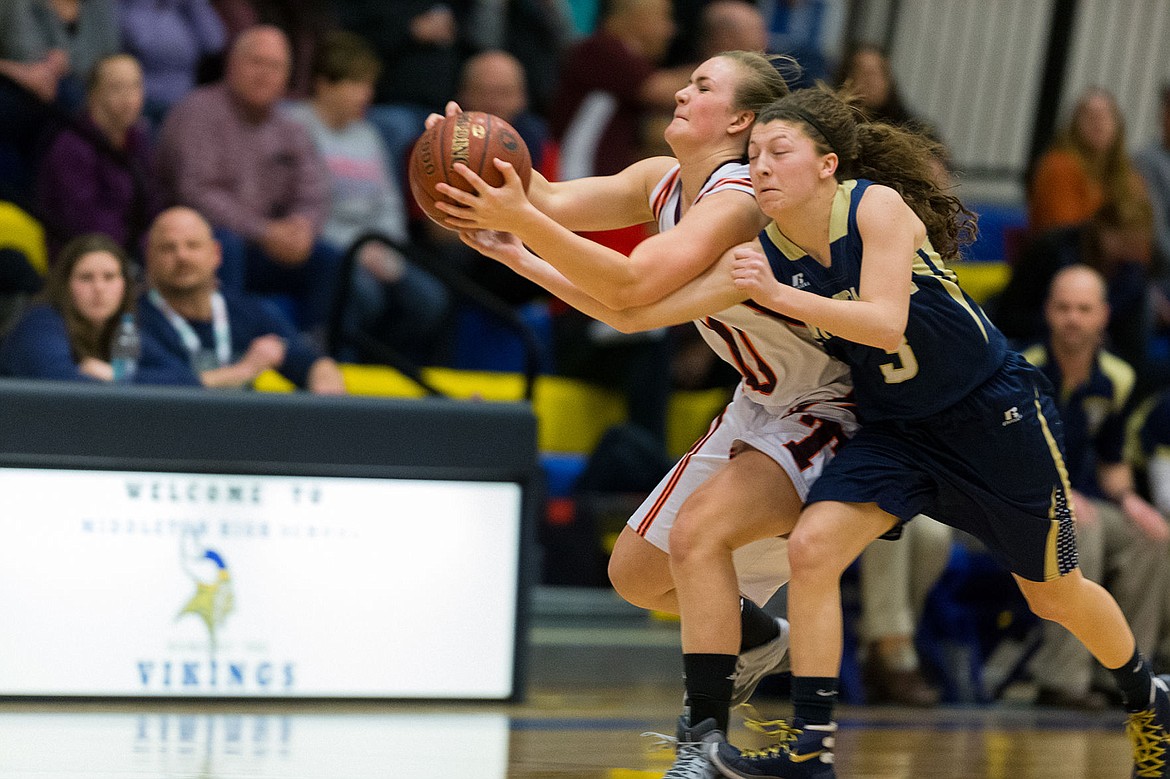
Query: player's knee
[[1048, 602], [1052, 609], [693, 537], [629, 580], [811, 552]]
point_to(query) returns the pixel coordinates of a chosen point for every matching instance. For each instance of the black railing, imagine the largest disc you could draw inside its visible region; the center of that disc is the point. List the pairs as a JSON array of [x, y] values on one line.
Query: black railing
[[339, 336]]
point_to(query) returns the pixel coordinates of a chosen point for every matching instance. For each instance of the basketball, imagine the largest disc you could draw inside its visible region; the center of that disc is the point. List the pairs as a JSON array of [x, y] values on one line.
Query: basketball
[[473, 138]]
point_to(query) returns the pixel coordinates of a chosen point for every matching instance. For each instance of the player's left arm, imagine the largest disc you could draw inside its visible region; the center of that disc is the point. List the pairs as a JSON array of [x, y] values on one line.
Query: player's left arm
[[891, 233]]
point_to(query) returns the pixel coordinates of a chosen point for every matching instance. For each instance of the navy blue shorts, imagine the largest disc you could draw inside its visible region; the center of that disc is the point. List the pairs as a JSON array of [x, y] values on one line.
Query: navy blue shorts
[[991, 465]]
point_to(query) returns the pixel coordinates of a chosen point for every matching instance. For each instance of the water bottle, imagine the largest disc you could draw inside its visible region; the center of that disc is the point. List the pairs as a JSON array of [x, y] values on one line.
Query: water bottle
[[125, 350]]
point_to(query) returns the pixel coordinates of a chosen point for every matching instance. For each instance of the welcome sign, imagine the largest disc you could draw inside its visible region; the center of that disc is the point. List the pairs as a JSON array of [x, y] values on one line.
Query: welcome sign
[[126, 583]]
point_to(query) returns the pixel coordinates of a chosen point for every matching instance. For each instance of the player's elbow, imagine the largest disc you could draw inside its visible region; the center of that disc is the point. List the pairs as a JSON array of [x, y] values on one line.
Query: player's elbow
[[888, 341], [628, 323], [888, 335], [633, 295]]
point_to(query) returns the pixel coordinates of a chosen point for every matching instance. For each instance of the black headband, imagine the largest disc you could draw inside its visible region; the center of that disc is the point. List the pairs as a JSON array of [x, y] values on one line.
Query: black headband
[[805, 116]]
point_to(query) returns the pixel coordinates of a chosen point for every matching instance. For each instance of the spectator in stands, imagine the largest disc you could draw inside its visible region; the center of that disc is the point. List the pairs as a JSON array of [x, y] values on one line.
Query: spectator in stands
[[1147, 448], [170, 38], [866, 71], [396, 301], [602, 115], [896, 577], [228, 153], [46, 40], [731, 25], [422, 45], [67, 335], [802, 30], [305, 22], [1086, 166], [610, 83], [1153, 163], [493, 82], [47, 48], [99, 180], [1114, 242], [1121, 538], [219, 339], [535, 32]]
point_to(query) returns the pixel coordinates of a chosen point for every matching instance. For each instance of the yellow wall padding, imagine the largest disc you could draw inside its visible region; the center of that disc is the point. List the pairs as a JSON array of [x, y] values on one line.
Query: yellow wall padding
[[981, 280], [20, 231], [571, 415]]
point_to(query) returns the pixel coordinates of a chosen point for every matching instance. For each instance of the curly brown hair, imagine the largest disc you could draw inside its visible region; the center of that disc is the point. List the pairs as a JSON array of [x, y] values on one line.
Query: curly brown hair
[[897, 157], [85, 339]]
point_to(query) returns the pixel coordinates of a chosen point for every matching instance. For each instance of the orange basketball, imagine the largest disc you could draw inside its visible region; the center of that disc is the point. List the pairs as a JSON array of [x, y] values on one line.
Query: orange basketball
[[473, 138]]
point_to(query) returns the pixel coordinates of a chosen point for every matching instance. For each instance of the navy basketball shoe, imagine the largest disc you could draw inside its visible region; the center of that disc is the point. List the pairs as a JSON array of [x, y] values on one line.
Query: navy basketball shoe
[[802, 752], [1149, 733]]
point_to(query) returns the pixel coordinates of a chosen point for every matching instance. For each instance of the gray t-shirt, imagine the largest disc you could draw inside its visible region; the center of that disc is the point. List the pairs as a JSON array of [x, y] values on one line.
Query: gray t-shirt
[[366, 195]]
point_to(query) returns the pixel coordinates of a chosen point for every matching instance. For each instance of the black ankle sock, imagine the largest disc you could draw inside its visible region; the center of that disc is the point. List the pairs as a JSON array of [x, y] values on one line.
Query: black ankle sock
[[1136, 681], [757, 627], [813, 698], [709, 681]]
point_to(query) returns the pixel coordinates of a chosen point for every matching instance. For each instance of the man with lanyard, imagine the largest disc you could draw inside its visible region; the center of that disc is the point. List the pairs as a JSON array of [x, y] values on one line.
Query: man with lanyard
[[1121, 537], [224, 341]]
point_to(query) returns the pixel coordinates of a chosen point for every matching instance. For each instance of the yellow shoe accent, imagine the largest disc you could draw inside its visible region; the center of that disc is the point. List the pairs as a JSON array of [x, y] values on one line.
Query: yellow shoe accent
[[1149, 744]]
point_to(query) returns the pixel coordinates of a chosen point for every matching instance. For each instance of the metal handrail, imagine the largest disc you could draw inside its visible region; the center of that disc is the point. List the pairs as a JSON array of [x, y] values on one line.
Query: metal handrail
[[457, 282]]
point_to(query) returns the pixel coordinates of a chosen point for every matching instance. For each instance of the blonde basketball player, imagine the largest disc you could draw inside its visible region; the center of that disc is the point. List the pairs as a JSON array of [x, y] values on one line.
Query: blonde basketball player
[[710, 530]]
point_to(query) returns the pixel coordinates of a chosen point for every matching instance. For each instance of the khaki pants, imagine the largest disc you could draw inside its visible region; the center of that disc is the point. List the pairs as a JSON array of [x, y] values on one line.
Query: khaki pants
[[896, 577]]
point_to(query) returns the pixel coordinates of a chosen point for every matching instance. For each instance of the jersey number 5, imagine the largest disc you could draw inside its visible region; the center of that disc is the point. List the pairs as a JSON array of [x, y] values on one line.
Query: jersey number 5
[[903, 367]]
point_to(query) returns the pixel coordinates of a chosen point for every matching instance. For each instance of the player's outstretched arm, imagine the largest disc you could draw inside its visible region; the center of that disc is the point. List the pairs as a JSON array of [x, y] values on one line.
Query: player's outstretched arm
[[710, 293], [658, 266]]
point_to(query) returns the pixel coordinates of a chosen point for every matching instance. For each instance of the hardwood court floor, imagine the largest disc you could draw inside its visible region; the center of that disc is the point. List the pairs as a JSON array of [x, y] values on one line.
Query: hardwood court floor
[[600, 674], [557, 734]]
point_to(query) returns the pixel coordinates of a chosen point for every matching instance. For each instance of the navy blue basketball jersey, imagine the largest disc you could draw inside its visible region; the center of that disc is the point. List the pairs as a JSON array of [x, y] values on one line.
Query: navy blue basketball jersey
[[949, 348]]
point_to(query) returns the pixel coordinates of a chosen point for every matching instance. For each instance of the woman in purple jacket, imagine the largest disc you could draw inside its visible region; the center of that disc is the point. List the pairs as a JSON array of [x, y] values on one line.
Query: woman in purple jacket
[[96, 179]]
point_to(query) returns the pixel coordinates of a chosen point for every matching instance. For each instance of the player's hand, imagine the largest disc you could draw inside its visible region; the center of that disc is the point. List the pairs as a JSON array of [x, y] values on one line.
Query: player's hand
[[750, 271], [451, 110], [502, 247], [487, 208]]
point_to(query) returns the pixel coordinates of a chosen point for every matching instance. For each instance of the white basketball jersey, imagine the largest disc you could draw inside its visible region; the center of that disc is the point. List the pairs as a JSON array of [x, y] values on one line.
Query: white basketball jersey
[[781, 365]]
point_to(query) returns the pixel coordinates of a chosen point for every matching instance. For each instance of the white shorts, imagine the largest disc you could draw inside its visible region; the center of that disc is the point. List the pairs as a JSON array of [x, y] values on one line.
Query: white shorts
[[802, 440]]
